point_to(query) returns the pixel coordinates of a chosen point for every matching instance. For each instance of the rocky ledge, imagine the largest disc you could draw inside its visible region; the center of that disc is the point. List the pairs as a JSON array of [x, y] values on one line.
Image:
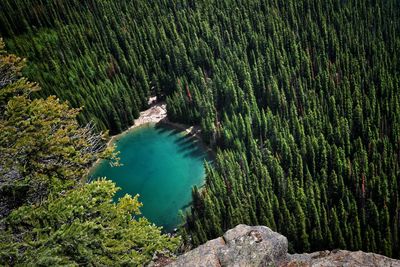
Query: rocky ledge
[[260, 246]]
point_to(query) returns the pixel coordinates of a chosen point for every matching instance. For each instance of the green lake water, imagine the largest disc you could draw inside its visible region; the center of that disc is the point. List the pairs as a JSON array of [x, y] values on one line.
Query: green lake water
[[160, 164]]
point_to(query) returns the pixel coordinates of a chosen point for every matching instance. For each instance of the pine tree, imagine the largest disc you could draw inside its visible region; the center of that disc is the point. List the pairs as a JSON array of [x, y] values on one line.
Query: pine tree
[[82, 226]]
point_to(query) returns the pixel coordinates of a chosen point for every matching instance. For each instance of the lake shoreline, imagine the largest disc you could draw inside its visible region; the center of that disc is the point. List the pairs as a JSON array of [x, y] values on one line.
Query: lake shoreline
[[157, 114], [161, 164]]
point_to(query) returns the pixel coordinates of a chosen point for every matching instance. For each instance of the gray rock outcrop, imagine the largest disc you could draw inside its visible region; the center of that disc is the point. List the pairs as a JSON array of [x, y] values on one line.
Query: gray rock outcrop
[[260, 246]]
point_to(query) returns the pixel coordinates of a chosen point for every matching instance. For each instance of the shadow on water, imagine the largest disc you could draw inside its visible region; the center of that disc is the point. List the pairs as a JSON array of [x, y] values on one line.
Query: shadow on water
[[164, 128], [161, 128], [185, 138], [188, 149], [188, 205], [188, 145], [191, 148], [196, 153], [188, 140]]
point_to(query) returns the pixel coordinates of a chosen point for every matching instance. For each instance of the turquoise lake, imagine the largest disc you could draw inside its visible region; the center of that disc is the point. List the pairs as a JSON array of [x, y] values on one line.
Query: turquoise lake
[[160, 164]]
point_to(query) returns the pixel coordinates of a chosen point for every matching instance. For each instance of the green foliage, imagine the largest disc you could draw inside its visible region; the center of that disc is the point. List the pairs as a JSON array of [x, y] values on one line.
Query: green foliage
[[299, 98], [42, 147], [49, 216], [11, 81], [82, 226]]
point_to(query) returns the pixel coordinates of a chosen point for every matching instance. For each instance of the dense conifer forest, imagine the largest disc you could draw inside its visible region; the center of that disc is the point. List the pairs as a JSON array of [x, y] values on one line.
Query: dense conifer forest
[[299, 98], [50, 215]]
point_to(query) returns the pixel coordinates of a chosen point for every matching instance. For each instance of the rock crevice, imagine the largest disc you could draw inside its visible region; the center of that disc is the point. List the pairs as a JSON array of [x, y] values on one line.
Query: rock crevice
[[260, 246]]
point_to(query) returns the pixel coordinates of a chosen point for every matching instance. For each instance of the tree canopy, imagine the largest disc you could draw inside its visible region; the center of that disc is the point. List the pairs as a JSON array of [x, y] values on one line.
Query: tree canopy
[[49, 214], [299, 99], [82, 226]]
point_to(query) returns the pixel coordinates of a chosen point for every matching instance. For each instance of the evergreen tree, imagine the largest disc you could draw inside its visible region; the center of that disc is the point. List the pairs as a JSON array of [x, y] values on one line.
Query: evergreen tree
[[82, 226]]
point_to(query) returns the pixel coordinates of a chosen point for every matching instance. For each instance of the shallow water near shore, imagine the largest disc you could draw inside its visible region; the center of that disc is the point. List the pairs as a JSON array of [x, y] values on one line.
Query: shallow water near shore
[[161, 164]]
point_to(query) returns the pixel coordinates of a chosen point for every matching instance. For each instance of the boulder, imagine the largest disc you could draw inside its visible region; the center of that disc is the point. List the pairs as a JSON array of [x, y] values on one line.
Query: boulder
[[202, 256], [241, 246], [259, 246], [253, 246]]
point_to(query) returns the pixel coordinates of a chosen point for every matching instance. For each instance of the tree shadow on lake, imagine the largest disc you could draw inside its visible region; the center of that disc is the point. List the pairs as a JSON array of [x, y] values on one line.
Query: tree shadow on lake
[[186, 138], [196, 153], [163, 128], [191, 147], [188, 145], [186, 206]]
